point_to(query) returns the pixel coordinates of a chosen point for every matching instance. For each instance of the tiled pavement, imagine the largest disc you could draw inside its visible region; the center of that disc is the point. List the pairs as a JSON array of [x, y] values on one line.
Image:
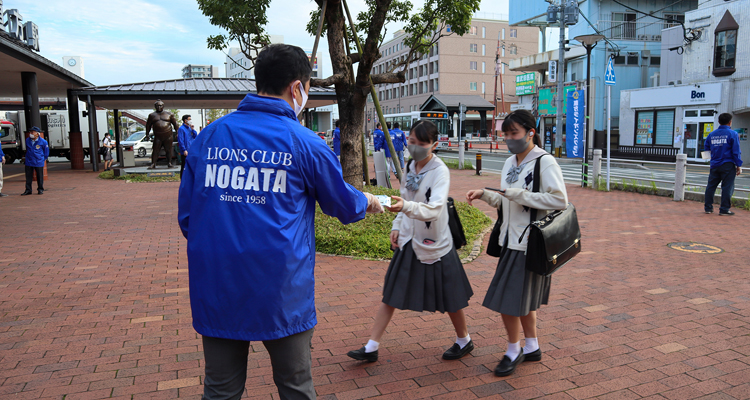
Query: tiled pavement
[[94, 304]]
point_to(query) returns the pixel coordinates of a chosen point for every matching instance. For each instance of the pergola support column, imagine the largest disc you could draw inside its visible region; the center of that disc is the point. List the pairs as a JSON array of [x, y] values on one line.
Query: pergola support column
[[75, 137]]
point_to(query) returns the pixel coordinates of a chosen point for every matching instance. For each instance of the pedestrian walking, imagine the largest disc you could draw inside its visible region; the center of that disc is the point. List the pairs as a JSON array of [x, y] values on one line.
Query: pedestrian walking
[[108, 144], [425, 273], [185, 137], [726, 164], [37, 152], [337, 141], [2, 162], [399, 142], [247, 208], [515, 292]]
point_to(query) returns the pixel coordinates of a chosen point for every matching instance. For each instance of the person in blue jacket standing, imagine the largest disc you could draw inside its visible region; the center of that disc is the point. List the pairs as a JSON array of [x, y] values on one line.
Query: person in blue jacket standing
[[726, 164], [37, 152], [381, 144], [399, 142], [247, 208], [185, 137], [337, 141]]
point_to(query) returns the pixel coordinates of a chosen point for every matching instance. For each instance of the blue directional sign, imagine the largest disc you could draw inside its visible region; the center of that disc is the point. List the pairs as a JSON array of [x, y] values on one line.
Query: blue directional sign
[[609, 75]]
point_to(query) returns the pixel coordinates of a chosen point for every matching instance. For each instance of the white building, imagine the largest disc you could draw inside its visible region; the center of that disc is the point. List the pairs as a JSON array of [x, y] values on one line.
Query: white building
[[200, 71], [74, 64], [714, 78], [238, 65]]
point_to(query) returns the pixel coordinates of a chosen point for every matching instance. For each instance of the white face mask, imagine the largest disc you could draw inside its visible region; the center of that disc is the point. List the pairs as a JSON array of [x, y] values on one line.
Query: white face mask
[[189, 122], [298, 108]]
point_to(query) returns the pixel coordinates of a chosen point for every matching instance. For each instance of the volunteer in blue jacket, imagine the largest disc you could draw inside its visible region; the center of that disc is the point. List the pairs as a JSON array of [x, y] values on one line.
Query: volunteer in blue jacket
[[382, 144], [337, 141], [37, 152], [726, 163], [247, 209], [399, 142], [185, 137]]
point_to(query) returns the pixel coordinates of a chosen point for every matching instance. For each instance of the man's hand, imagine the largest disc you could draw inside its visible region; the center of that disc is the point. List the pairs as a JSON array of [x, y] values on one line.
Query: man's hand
[[185, 153], [472, 195], [373, 205], [398, 206], [394, 240], [739, 171], [4, 161]]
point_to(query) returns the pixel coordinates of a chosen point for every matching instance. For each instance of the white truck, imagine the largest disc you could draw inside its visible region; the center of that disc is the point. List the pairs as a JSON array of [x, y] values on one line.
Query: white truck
[[55, 128]]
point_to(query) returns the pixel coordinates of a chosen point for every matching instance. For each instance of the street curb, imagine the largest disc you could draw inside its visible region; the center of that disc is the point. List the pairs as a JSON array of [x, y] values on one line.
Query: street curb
[[476, 250]]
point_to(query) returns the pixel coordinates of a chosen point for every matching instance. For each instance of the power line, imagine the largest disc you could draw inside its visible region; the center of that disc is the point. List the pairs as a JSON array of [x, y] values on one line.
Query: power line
[[614, 46], [644, 16]]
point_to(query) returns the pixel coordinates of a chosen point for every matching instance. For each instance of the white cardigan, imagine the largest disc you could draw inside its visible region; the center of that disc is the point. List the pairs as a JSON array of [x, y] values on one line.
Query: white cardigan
[[425, 221], [551, 196]]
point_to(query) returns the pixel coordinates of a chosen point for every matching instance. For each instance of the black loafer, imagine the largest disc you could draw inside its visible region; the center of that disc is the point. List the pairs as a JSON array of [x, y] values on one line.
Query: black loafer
[[726, 213], [533, 356], [361, 355], [40, 192], [25, 193], [456, 352], [506, 366], [3, 195]]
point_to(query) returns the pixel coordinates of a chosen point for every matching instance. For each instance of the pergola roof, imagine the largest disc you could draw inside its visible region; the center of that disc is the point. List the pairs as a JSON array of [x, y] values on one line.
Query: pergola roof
[[53, 81], [191, 93], [449, 102]]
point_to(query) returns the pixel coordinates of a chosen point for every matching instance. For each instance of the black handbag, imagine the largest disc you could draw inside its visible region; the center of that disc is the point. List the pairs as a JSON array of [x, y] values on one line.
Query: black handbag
[[103, 151], [493, 246], [454, 222], [553, 240]]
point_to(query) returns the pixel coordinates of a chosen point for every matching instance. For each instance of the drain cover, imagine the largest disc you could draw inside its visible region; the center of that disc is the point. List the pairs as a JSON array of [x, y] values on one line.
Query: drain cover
[[692, 247]]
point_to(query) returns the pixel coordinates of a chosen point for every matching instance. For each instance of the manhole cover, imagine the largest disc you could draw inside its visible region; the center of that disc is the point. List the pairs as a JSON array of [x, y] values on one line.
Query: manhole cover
[[692, 247]]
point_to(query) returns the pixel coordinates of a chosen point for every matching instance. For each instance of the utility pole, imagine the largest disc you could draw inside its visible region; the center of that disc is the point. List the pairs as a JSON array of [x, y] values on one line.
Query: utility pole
[[564, 14]]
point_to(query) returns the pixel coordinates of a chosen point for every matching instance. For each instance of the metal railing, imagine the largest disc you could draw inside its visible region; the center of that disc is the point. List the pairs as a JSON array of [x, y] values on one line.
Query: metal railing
[[635, 30]]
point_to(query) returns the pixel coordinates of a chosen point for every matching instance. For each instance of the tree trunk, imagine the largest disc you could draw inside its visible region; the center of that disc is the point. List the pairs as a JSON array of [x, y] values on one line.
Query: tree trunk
[[351, 101]]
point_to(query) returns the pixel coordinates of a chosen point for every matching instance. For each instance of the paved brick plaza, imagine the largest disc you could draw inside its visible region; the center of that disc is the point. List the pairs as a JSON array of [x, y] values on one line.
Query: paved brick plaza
[[94, 304]]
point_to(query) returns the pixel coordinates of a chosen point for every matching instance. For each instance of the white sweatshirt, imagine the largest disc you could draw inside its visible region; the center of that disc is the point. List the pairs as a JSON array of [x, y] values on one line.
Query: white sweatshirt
[[425, 221], [551, 196]]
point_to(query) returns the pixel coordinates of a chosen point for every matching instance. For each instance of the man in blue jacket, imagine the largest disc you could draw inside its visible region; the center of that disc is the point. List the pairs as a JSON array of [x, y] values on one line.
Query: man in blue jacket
[[247, 208], [37, 152], [399, 142], [337, 141], [185, 136], [726, 163], [378, 138]]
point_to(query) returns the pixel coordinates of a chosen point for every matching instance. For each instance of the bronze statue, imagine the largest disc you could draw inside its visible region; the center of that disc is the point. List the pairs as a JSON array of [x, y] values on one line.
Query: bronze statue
[[161, 120]]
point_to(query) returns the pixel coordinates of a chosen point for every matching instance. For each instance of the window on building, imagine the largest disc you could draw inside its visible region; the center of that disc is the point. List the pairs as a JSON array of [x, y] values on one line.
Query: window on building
[[483, 87], [436, 67], [484, 49], [676, 18], [473, 48], [432, 86], [473, 30], [655, 60], [502, 52], [473, 86], [502, 35], [632, 59], [513, 32], [484, 67], [473, 65], [437, 87], [654, 128], [513, 49], [502, 67], [725, 45], [623, 25], [484, 32]]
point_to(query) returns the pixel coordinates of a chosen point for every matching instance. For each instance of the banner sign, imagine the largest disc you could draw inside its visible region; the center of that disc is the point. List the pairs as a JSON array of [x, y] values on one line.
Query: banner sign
[[525, 84], [574, 126], [547, 106]]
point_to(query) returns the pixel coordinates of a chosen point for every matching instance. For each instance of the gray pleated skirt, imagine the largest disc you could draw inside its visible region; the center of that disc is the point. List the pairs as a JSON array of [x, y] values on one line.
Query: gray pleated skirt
[[514, 290], [412, 285]]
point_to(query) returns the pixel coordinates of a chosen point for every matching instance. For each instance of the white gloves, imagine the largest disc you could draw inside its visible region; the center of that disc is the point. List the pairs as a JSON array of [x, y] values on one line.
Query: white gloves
[[373, 205]]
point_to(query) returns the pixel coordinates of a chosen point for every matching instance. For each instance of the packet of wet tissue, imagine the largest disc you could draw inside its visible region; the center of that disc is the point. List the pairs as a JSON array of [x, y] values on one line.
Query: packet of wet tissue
[[385, 201]]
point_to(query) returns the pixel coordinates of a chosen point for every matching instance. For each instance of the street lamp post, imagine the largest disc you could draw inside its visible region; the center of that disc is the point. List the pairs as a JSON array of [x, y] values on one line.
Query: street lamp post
[[589, 42]]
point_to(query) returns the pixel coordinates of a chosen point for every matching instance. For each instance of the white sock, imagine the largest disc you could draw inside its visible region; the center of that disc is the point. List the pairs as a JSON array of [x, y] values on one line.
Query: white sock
[[371, 346], [514, 349], [463, 341], [532, 345]]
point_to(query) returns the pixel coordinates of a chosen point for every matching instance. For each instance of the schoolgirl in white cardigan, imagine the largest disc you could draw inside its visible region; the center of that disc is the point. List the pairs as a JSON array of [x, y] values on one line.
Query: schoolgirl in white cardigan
[[515, 292], [425, 273]]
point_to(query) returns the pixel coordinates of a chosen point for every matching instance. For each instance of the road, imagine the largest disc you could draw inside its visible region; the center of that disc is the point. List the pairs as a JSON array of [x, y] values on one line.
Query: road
[[696, 175]]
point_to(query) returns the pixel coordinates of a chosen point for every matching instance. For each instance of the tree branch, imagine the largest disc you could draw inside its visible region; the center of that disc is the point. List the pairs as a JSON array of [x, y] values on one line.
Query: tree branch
[[331, 80], [389, 77]]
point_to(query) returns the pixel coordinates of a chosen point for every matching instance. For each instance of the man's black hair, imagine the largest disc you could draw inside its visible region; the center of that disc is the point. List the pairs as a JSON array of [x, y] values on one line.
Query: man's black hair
[[378, 126], [278, 65], [725, 118], [388, 124], [337, 124], [185, 117], [396, 125]]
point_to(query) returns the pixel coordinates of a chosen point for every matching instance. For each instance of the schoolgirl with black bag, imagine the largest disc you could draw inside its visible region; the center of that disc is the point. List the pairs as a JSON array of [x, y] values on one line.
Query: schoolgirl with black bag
[[425, 273], [531, 187]]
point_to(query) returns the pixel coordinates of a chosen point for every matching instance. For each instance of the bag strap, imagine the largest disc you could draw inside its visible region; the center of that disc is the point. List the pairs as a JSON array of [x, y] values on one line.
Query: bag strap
[[534, 189]]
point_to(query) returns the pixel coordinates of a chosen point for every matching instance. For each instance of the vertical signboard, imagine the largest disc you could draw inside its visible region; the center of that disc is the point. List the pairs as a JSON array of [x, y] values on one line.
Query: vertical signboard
[[525, 84], [574, 127]]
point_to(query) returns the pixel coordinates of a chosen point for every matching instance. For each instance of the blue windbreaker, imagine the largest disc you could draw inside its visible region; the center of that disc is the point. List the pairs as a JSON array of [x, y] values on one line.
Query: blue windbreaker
[[185, 137], [36, 152], [399, 139], [724, 145], [247, 208], [1, 153], [380, 143], [337, 142]]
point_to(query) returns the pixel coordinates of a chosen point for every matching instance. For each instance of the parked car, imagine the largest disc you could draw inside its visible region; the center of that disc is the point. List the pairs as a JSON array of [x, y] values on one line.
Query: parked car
[[140, 143]]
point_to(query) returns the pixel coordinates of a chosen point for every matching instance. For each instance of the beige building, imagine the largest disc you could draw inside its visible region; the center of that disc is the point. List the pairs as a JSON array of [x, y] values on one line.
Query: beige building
[[457, 65]]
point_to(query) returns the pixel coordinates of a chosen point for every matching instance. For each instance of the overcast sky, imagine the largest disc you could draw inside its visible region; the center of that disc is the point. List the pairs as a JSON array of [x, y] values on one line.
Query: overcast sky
[[126, 41]]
